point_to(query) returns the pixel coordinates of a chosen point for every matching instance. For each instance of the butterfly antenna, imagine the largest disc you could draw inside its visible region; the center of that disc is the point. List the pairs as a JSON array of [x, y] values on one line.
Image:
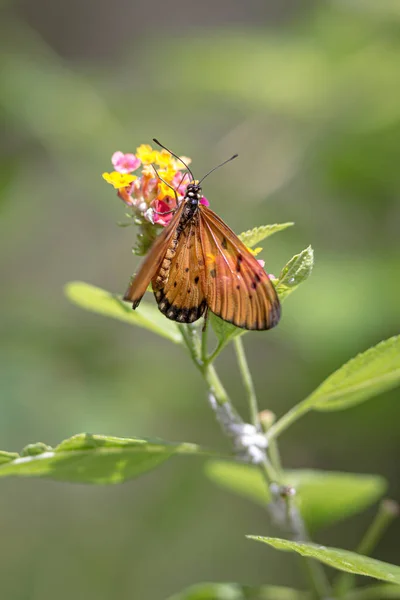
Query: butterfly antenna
[[166, 183], [175, 155], [221, 165]]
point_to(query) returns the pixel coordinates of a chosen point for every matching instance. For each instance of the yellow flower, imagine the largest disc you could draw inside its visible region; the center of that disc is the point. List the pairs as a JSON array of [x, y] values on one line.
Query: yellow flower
[[168, 174], [163, 190], [163, 159], [179, 166], [146, 154], [119, 180]]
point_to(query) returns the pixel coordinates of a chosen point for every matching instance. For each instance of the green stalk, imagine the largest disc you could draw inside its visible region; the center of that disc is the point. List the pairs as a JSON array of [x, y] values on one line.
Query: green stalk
[[198, 351], [290, 417], [247, 382], [387, 511], [206, 369], [204, 340], [267, 419], [272, 473], [217, 350]]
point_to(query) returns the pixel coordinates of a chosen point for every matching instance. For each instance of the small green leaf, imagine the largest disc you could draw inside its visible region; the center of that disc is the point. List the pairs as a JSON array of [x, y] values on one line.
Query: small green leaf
[[337, 558], [35, 449], [87, 458], [235, 591], [224, 331], [104, 303], [323, 497], [366, 375], [6, 457], [256, 235], [297, 270]]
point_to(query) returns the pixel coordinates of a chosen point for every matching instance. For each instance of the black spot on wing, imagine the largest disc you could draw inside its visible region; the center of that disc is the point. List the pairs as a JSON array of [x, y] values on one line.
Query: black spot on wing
[[177, 313]]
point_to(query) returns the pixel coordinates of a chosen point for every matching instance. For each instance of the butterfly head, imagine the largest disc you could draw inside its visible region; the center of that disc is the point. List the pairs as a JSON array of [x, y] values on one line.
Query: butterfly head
[[193, 193]]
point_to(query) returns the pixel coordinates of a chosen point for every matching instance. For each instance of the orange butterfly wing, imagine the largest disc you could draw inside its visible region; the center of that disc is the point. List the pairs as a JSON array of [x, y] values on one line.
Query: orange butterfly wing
[[158, 258], [238, 289], [180, 293]]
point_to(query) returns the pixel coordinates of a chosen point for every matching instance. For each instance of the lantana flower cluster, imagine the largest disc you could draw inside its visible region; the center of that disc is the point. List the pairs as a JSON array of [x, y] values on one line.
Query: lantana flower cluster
[[145, 181]]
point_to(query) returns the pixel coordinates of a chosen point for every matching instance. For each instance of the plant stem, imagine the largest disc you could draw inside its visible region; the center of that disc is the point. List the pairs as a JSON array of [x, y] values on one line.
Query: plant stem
[[320, 588], [271, 473], [275, 458], [268, 472], [267, 419], [204, 339], [217, 350], [290, 417], [387, 511], [207, 370], [215, 385], [191, 341], [247, 381]]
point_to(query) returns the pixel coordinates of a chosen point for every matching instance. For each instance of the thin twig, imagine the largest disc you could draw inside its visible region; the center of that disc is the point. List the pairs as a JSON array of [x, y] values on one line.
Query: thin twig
[[247, 382], [387, 511]]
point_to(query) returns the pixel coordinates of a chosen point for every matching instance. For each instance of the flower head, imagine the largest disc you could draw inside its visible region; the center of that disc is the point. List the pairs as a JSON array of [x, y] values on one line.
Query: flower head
[[156, 191], [125, 163]]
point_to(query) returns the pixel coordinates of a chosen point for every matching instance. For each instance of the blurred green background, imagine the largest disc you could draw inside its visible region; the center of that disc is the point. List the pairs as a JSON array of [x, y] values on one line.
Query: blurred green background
[[309, 95]]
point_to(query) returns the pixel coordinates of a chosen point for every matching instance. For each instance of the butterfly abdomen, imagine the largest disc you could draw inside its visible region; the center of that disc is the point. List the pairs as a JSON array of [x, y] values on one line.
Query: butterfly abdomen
[[162, 275]]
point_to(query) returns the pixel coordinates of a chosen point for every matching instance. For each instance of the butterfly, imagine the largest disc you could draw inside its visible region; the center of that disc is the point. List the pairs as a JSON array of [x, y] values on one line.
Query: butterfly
[[198, 263]]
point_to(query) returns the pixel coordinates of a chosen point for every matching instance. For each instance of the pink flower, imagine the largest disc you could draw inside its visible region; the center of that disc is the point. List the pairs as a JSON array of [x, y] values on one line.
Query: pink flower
[[180, 182], [261, 262], [204, 201], [125, 163], [162, 214]]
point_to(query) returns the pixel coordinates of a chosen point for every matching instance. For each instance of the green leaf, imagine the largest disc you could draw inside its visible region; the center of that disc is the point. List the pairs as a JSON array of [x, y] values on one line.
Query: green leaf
[[256, 235], [344, 560], [87, 458], [323, 497], [224, 331], [366, 375], [297, 270], [104, 303], [235, 591]]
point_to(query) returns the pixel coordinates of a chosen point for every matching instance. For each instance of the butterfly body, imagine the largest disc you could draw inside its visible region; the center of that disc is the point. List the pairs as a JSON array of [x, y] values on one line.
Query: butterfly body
[[198, 262]]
